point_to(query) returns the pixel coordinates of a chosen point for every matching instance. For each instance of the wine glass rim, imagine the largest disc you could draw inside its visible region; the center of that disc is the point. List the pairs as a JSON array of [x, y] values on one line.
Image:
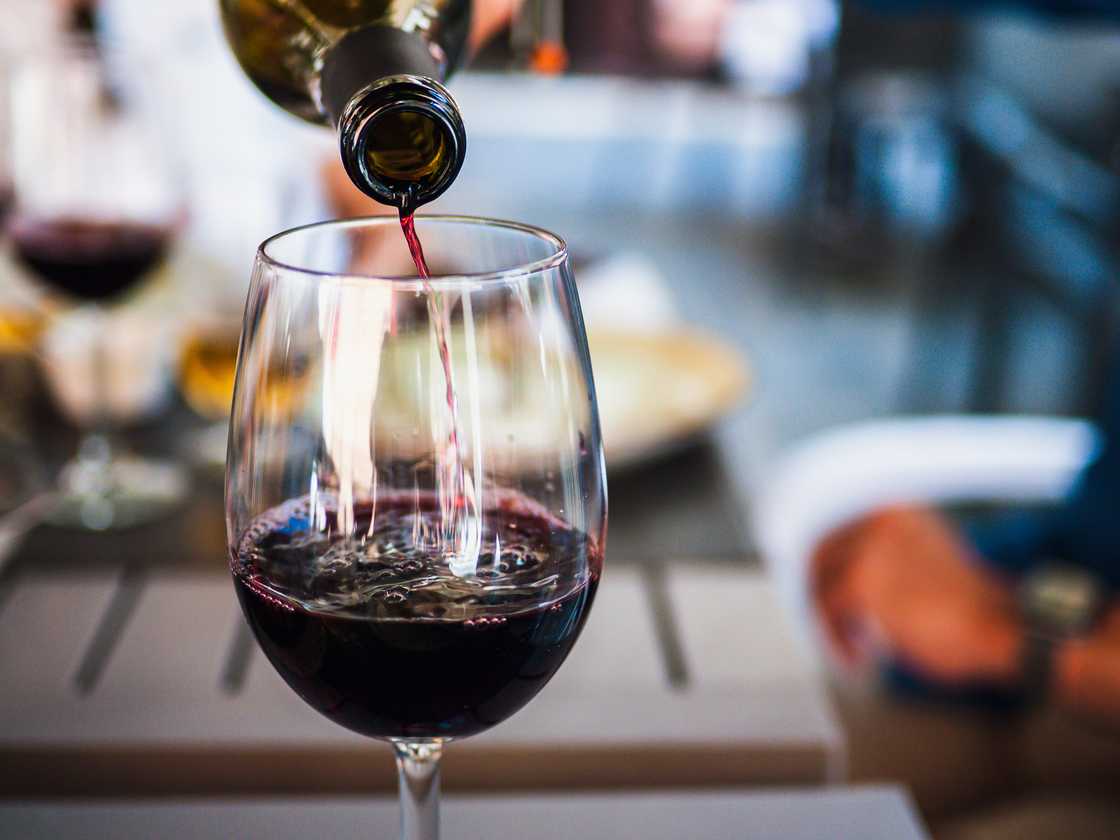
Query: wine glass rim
[[557, 258]]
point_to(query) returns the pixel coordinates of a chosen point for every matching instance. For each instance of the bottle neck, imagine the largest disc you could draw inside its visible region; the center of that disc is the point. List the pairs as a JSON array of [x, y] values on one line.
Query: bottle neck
[[364, 55], [401, 134], [402, 140]]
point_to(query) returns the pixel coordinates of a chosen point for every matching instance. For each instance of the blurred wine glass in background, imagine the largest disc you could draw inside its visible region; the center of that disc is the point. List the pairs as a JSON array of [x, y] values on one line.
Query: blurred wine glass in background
[[96, 208], [211, 326], [207, 370]]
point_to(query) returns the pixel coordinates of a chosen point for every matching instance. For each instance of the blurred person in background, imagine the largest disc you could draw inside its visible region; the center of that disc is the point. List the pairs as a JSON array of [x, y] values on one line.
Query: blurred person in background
[[646, 37], [760, 44], [1023, 609]]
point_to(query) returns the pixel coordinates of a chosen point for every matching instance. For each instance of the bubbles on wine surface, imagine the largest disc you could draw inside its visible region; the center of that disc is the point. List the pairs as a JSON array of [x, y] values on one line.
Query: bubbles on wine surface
[[390, 566]]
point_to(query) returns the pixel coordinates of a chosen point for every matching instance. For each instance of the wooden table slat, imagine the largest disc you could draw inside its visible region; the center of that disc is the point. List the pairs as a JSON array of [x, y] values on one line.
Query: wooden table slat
[[159, 718], [45, 630], [864, 813]]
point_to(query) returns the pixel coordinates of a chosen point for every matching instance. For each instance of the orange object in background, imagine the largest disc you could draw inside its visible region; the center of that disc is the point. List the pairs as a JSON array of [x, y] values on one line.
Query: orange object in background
[[537, 37], [20, 330], [550, 58], [208, 366]]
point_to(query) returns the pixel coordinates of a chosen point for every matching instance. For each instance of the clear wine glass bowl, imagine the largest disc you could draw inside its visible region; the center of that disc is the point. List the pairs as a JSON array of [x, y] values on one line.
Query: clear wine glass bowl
[[416, 534]]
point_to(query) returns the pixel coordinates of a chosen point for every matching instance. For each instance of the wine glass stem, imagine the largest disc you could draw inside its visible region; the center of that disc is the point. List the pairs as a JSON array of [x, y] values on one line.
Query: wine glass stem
[[418, 776], [101, 423], [96, 447]]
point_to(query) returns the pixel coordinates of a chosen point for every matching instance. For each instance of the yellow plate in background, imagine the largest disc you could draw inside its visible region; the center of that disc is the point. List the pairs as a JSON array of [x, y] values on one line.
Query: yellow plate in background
[[658, 390]]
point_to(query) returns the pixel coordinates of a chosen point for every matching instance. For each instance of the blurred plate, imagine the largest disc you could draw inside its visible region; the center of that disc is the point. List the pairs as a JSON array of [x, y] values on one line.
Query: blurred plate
[[657, 391]]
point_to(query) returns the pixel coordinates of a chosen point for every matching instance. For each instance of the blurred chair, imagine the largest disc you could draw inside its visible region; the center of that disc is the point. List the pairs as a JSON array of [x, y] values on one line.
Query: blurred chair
[[834, 477], [964, 766]]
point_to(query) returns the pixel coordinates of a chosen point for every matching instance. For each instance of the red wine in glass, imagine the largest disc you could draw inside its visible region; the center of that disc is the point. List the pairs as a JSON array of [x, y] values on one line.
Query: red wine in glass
[[380, 636], [91, 260]]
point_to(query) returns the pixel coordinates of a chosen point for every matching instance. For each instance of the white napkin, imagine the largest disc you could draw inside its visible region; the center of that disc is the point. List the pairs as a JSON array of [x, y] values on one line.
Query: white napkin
[[139, 352], [626, 292]]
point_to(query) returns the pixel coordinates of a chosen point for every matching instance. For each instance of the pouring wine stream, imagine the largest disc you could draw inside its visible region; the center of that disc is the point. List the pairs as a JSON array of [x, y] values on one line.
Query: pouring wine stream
[[459, 501], [361, 316]]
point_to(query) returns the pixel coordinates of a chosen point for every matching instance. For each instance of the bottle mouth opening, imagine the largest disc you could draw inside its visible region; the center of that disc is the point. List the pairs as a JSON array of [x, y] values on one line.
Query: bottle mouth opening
[[403, 141]]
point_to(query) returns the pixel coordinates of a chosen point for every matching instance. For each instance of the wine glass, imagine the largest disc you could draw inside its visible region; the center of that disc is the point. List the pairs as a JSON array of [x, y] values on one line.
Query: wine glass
[[97, 202], [416, 537], [268, 201]]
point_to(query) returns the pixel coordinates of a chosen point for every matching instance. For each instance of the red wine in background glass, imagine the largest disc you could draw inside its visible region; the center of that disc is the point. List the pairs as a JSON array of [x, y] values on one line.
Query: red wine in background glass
[[376, 632], [91, 260]]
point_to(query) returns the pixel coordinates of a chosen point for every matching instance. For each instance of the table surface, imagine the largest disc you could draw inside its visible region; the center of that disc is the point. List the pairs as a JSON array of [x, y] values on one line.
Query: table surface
[[146, 681], [864, 813], [132, 672]]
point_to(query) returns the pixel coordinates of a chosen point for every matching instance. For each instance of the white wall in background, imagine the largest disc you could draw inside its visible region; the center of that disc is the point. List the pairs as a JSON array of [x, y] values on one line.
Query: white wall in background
[[251, 168]]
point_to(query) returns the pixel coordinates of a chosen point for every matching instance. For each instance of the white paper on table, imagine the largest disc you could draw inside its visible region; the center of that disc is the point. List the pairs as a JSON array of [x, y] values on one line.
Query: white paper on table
[[626, 292]]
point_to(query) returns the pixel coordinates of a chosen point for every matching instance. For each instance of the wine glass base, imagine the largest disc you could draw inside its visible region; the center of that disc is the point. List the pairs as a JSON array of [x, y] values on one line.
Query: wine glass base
[[124, 492]]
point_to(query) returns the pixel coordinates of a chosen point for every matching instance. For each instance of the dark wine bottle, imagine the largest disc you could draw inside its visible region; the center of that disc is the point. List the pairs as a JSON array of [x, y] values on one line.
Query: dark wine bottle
[[82, 18], [374, 69]]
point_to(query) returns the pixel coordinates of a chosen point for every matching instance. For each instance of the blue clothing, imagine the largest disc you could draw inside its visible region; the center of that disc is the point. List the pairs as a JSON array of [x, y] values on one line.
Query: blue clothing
[[1084, 531], [1062, 8]]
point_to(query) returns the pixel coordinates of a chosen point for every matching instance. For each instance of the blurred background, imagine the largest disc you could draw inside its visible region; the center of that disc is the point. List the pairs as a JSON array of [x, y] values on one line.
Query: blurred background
[[835, 257]]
